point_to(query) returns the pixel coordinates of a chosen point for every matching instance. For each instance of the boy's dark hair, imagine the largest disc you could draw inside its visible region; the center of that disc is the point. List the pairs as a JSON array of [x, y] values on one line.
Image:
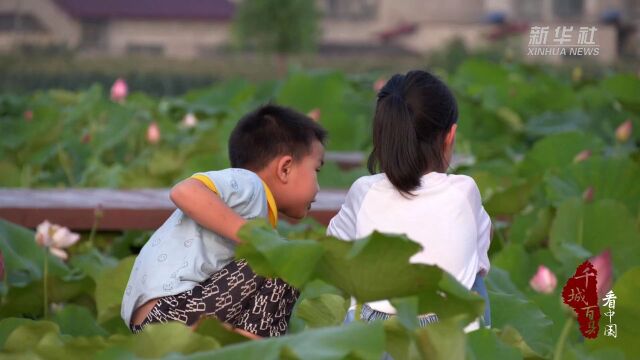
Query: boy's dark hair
[[414, 112], [270, 131]]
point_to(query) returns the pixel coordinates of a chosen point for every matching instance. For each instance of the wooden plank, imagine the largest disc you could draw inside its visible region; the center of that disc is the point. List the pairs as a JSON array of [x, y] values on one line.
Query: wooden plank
[[143, 209]]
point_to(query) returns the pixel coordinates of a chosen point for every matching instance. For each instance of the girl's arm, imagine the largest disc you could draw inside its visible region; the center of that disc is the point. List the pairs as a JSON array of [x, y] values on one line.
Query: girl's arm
[[206, 208]]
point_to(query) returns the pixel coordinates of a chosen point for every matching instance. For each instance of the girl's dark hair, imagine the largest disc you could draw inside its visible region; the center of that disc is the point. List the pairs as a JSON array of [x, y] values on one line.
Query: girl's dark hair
[[413, 115]]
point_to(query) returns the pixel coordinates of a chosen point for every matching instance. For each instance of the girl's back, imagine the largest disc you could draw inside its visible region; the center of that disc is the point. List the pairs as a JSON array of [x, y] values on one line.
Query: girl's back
[[445, 216], [414, 130]]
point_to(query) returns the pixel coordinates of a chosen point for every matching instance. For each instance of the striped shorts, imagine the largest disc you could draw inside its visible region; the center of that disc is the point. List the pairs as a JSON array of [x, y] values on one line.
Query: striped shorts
[[369, 314]]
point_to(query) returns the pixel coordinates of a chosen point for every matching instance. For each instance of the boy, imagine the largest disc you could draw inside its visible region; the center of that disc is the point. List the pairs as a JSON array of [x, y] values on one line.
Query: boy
[[187, 268]]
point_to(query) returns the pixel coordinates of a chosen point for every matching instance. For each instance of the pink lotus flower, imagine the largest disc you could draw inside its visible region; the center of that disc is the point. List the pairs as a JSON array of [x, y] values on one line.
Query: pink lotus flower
[[314, 114], [379, 84], [623, 132], [189, 121], [587, 195], [27, 115], [153, 133], [582, 156], [55, 238], [602, 264], [544, 281], [119, 90]]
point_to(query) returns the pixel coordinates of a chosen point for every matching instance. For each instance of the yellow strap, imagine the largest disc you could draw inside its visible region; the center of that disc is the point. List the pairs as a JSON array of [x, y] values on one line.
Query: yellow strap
[[273, 207], [207, 182], [271, 201]]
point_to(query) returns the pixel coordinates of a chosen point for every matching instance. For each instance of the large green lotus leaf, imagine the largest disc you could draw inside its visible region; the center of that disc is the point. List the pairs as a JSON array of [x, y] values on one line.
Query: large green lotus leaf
[[625, 88], [93, 263], [158, 340], [514, 259], [400, 342], [361, 268], [77, 320], [483, 80], [322, 306], [512, 199], [478, 124], [271, 255], [610, 178], [221, 97], [354, 341], [557, 122], [7, 325], [558, 150], [580, 352], [341, 113], [626, 317], [532, 228], [442, 340], [601, 225], [110, 289], [30, 336], [524, 325], [214, 328], [485, 344], [43, 339], [324, 310]]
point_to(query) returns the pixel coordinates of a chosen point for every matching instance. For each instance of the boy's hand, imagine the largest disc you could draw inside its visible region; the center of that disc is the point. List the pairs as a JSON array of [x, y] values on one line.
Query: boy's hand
[[206, 208]]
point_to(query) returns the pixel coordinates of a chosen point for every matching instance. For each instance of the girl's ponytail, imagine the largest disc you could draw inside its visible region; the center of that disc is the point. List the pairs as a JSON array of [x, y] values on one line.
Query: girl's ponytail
[[413, 114]]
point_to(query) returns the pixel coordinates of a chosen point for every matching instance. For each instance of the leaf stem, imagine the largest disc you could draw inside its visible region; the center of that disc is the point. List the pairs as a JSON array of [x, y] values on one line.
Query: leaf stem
[[557, 353], [45, 283]]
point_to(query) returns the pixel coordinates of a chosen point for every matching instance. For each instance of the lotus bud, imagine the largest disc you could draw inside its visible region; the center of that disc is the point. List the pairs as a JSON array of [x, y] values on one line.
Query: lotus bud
[[623, 132], [582, 156], [379, 84], [544, 281], [604, 268], [587, 195], [314, 114], [119, 90], [189, 121], [153, 133], [576, 74]]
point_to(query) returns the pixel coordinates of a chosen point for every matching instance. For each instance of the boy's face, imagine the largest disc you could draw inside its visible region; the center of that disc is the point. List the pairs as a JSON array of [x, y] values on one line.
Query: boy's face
[[302, 185]]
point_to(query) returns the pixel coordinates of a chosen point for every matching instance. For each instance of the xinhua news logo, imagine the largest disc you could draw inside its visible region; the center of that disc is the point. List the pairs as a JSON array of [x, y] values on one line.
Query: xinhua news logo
[[563, 40]]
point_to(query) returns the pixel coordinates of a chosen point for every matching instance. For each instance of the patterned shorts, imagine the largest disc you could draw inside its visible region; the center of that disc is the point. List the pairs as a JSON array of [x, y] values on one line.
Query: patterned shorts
[[235, 295]]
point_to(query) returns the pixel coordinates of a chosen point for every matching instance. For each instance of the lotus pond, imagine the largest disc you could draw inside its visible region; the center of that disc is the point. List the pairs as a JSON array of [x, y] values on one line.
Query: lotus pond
[[555, 156]]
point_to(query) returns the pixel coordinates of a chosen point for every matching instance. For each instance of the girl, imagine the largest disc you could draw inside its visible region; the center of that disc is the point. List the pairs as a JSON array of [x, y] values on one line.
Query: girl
[[414, 129]]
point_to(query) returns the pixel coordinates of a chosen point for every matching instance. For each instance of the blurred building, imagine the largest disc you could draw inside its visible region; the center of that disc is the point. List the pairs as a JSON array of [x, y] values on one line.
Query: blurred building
[[193, 28], [173, 28]]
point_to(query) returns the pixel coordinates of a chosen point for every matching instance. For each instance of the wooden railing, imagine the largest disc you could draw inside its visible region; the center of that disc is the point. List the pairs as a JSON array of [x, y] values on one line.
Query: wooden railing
[[119, 209]]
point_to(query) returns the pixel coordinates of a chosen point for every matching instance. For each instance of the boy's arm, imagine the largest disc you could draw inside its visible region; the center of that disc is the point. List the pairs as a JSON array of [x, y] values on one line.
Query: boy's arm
[[206, 208]]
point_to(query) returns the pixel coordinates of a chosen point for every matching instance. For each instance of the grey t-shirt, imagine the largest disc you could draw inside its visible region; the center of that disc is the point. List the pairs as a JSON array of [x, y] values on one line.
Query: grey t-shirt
[[181, 253]]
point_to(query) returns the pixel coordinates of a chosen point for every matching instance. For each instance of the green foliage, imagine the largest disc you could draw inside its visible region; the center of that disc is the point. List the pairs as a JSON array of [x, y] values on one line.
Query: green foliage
[[277, 26], [522, 127]]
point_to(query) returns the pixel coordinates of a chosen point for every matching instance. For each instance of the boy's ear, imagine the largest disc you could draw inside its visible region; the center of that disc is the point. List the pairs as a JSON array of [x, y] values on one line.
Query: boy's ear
[[283, 169]]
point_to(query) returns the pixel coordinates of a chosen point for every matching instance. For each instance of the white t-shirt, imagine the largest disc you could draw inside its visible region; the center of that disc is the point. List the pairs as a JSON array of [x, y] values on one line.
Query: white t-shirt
[[446, 217]]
